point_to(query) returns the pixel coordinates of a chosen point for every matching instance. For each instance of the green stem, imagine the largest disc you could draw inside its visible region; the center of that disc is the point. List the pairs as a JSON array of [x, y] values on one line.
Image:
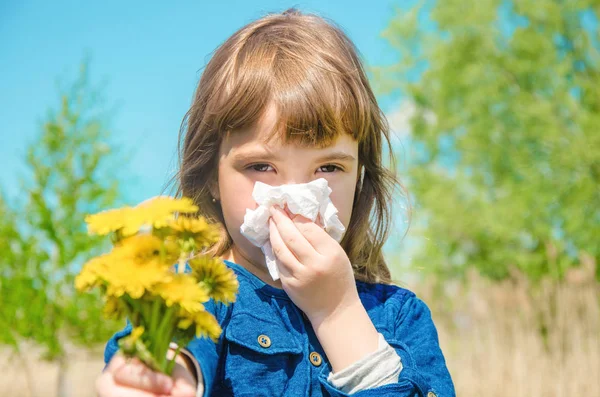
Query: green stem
[[163, 335], [136, 310], [154, 316], [144, 354], [171, 363], [151, 321], [146, 310]]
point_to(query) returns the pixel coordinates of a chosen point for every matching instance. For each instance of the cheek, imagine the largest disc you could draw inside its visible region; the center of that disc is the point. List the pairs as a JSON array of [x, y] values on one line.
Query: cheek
[[342, 196], [236, 196]]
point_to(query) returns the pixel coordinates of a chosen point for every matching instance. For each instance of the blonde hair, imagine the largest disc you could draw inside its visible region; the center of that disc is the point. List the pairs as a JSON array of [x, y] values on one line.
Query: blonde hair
[[310, 70]]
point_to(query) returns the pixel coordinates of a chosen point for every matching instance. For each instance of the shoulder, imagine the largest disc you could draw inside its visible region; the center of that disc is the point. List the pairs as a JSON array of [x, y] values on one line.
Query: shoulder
[[391, 306], [407, 325], [388, 295]]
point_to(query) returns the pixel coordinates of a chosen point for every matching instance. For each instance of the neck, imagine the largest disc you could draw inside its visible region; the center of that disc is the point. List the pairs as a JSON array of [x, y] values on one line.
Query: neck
[[258, 269]]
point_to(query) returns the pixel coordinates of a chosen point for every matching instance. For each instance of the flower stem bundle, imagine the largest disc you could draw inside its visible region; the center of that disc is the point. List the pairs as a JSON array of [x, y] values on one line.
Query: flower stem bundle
[[159, 276]]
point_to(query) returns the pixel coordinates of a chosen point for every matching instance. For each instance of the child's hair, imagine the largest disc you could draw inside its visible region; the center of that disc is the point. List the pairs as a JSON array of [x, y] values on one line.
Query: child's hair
[[311, 71]]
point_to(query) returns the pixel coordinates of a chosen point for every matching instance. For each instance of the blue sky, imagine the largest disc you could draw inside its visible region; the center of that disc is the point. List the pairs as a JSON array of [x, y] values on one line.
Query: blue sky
[[149, 53]]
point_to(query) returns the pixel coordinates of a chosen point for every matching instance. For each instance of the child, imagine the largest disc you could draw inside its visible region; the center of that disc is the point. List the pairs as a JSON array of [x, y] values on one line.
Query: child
[[285, 100]]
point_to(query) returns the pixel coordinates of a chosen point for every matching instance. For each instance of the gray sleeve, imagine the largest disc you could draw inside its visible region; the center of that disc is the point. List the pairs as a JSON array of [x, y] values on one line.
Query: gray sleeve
[[379, 368]]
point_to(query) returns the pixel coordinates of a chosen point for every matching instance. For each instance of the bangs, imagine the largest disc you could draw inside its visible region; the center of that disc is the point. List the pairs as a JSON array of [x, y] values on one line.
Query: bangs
[[318, 93]]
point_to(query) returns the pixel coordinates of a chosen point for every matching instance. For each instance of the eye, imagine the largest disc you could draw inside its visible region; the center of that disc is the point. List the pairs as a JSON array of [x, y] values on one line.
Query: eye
[[259, 167], [330, 168]]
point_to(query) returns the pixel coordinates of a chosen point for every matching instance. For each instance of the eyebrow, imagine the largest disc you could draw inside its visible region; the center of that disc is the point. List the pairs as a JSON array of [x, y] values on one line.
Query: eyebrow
[[270, 155], [255, 155], [340, 156]]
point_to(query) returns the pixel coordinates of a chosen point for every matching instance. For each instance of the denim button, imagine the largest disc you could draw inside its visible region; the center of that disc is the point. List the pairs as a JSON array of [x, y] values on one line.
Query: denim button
[[431, 394], [315, 359], [264, 340]]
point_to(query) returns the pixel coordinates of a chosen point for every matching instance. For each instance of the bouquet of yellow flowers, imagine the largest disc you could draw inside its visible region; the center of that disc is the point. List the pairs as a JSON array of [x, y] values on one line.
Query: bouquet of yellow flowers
[[158, 276]]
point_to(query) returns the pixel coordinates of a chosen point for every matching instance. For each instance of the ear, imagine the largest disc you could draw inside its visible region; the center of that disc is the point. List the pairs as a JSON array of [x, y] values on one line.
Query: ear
[[213, 185], [214, 190], [360, 174]]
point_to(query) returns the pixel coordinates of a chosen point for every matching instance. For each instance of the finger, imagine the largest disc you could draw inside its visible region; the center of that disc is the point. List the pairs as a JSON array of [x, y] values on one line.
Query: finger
[[117, 361], [287, 211], [288, 262], [319, 221], [136, 375], [316, 236], [284, 272], [292, 237], [282, 269], [106, 387]]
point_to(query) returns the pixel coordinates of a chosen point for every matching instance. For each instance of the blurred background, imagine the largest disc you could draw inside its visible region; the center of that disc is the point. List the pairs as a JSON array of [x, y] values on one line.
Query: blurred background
[[495, 109]]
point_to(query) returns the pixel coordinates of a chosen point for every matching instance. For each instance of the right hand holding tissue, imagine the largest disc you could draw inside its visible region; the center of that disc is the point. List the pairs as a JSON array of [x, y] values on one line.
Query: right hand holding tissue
[[307, 199]]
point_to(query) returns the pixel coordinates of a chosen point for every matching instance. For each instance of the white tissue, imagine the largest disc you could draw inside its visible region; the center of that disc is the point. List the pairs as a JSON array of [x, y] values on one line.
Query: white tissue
[[307, 199]]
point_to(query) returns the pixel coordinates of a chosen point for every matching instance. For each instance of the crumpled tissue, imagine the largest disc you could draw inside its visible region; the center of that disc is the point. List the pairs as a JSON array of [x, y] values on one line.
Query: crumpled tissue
[[307, 199]]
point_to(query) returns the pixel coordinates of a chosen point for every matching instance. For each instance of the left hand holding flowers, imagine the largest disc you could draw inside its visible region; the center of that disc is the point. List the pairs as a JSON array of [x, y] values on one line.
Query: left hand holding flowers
[[137, 278], [315, 270], [131, 377]]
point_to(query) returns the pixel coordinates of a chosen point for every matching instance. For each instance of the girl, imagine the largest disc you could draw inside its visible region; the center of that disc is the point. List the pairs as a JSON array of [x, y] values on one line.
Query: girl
[[286, 100]]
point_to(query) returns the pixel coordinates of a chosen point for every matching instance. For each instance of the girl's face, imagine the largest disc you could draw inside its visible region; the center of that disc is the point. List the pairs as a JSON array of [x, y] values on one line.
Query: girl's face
[[245, 159]]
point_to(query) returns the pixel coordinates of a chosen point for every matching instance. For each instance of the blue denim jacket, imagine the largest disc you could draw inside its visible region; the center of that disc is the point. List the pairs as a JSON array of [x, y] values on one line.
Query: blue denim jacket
[[245, 363]]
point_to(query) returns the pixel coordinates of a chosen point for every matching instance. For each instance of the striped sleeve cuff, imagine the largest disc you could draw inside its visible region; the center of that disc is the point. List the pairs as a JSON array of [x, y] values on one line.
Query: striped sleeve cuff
[[379, 368]]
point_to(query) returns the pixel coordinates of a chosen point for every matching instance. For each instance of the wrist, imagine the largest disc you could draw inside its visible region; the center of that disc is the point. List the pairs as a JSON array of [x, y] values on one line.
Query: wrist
[[341, 311], [358, 339]]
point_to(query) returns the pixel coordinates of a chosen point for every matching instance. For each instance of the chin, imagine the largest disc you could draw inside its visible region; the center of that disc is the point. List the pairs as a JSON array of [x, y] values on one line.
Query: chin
[[249, 250]]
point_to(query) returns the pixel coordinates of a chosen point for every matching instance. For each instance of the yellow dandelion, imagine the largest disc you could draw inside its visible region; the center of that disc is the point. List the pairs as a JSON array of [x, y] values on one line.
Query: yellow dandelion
[[195, 230], [159, 210], [113, 307], [155, 212], [183, 290], [136, 333], [206, 325], [136, 265], [220, 281], [134, 278], [126, 221], [170, 205], [132, 344], [91, 274], [138, 218], [146, 248], [107, 221]]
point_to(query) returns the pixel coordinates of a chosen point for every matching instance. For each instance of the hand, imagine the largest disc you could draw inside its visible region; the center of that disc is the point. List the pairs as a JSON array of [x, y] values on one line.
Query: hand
[[131, 378], [315, 270]]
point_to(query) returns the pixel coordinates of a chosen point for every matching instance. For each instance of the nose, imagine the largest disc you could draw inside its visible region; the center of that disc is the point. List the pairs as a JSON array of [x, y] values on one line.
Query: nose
[[296, 177]]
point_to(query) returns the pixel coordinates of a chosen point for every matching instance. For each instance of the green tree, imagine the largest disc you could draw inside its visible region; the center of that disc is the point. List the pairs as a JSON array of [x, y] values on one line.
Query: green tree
[[43, 236], [505, 159]]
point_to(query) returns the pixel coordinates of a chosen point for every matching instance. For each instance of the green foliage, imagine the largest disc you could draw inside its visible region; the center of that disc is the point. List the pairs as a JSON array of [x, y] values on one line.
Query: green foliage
[[43, 237], [505, 165]]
